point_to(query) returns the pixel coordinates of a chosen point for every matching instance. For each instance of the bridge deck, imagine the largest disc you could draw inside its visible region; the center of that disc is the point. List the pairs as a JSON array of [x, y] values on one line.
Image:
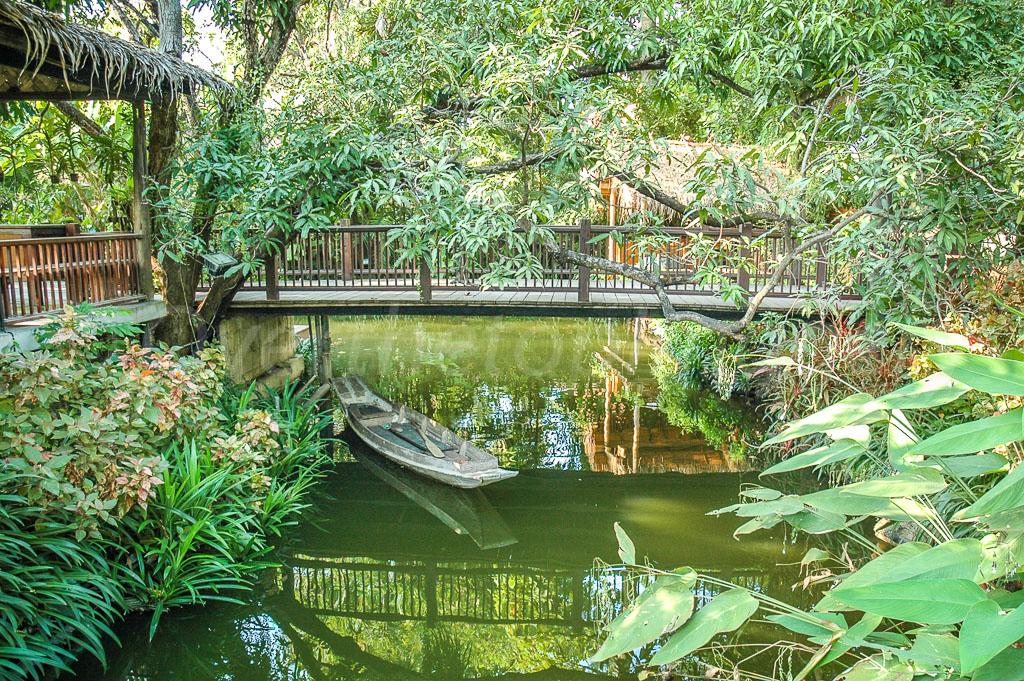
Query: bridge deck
[[492, 302]]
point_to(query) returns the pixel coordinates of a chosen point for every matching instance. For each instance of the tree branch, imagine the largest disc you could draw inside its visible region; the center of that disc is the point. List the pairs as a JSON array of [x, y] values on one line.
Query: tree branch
[[86, 124], [657, 62]]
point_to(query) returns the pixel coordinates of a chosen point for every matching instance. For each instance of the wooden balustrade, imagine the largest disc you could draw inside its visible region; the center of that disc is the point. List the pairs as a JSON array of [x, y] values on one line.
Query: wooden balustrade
[[368, 257], [41, 276]]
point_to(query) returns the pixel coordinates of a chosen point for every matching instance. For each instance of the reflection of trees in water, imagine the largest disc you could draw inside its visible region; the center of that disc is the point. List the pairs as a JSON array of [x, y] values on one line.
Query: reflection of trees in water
[[520, 387]]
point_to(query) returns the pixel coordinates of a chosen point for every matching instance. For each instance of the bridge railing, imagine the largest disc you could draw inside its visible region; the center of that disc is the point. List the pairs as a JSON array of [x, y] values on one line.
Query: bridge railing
[[39, 276], [367, 257]]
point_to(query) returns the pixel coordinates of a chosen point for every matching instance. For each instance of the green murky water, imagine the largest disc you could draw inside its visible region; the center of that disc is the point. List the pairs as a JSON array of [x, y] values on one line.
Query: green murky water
[[394, 577]]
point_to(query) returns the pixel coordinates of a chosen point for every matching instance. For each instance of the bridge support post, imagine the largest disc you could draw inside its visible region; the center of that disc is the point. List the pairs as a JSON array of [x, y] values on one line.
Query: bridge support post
[[273, 293], [426, 287], [346, 251], [821, 274], [743, 274], [584, 283]]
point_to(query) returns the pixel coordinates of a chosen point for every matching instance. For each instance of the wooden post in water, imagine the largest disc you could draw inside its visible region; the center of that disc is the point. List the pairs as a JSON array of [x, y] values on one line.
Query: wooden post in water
[[584, 283], [141, 218]]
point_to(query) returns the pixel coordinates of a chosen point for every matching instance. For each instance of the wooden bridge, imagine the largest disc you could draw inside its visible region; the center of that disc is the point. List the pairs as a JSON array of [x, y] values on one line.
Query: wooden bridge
[[356, 269]]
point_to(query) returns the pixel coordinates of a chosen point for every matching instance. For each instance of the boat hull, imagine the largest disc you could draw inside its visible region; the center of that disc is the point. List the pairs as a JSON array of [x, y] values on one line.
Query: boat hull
[[355, 396]]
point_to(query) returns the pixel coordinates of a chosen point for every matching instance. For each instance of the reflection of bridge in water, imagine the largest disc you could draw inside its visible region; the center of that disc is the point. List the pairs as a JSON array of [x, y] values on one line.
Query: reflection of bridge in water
[[482, 593]]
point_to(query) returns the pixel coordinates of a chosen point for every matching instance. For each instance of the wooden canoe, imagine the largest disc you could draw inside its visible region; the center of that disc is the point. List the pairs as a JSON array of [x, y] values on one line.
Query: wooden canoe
[[415, 441]]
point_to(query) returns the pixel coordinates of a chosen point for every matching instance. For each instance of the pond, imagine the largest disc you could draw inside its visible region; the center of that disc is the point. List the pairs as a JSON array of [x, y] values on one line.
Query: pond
[[394, 577]]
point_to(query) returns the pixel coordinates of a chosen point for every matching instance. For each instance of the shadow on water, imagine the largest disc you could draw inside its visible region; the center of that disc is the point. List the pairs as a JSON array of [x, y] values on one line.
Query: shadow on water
[[389, 577]]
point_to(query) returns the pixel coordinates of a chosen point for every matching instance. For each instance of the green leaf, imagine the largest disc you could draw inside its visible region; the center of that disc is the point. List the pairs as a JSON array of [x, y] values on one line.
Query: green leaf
[[938, 651], [627, 550], [659, 609], [852, 638], [726, 612], [877, 668], [1006, 666], [901, 438], [956, 559], [819, 456], [841, 414], [929, 601], [989, 374], [986, 632], [975, 436], [955, 340], [818, 521], [811, 624], [836, 501], [1006, 494], [974, 464], [872, 572], [914, 481], [814, 555], [933, 391], [782, 506]]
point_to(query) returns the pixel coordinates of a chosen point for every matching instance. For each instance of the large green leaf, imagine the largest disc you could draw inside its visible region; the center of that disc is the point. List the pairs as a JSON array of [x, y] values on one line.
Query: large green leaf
[[935, 651], [726, 612], [841, 414], [911, 482], [1007, 666], [834, 501], [929, 601], [975, 436], [986, 632], [819, 456], [872, 572], [818, 522], [1006, 494], [933, 391], [994, 375], [901, 437], [972, 465], [782, 506], [659, 609], [955, 340], [956, 559]]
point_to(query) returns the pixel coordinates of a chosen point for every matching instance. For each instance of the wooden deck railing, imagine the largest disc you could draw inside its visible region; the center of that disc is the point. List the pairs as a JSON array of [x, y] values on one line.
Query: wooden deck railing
[[41, 276], [364, 257]]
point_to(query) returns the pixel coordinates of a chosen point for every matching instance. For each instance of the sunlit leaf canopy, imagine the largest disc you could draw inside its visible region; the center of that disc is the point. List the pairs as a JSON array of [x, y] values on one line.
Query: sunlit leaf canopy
[[889, 129]]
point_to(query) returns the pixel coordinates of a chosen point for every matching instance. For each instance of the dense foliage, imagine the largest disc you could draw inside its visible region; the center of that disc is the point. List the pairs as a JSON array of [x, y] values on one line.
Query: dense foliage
[[133, 479], [944, 602]]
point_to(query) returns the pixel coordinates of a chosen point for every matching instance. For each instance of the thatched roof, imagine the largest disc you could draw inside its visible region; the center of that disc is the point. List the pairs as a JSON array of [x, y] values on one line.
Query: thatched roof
[[671, 174], [44, 57]]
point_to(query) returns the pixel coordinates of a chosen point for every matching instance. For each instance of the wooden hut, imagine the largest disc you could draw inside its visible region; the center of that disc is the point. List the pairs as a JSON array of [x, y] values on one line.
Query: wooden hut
[[44, 57]]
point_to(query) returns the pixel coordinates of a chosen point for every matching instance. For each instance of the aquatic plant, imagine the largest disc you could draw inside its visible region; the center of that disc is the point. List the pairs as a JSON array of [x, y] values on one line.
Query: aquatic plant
[[942, 603]]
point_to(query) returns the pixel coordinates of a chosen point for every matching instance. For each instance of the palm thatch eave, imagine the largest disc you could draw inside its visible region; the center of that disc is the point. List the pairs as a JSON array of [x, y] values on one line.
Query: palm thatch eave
[[42, 56]]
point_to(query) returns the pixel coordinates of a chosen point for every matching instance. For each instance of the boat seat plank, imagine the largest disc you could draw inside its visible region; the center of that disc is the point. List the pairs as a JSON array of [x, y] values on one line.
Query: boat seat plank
[[410, 433], [390, 435]]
